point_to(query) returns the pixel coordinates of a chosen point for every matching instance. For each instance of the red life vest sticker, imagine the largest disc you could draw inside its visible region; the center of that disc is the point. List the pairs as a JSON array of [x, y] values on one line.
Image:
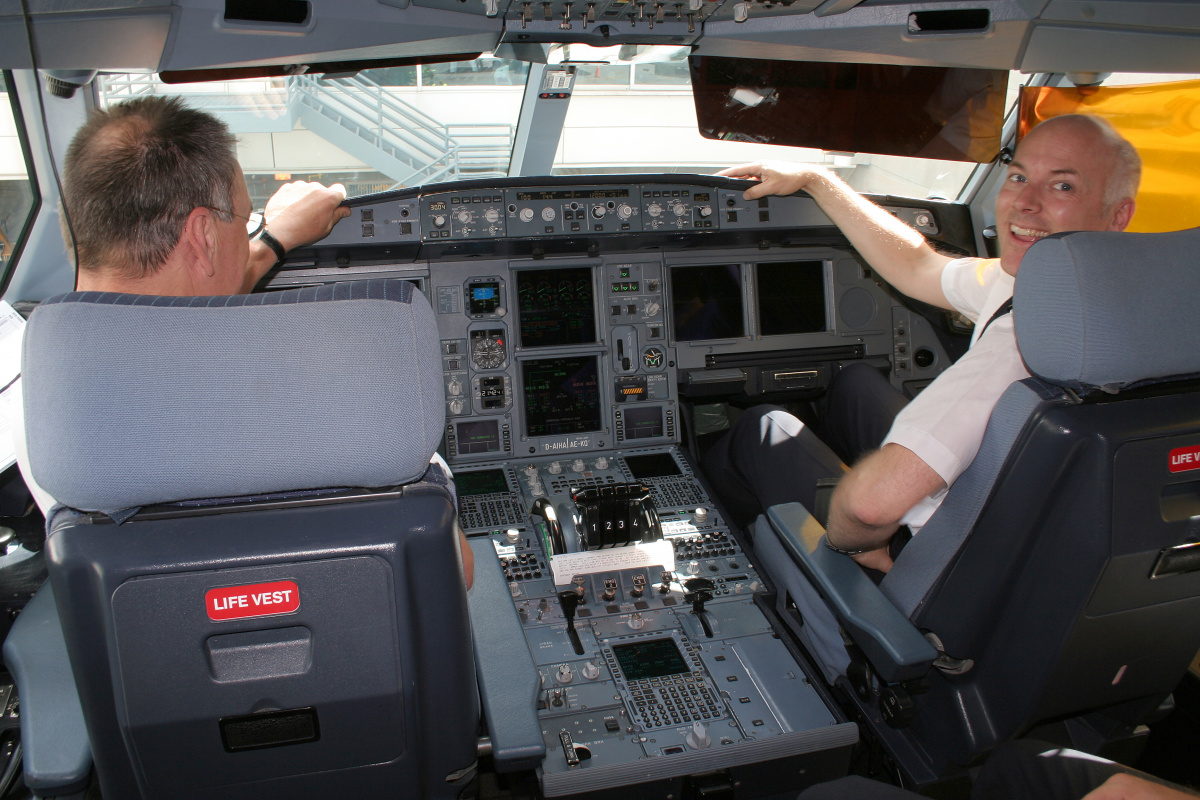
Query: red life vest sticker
[[1184, 458], [252, 600]]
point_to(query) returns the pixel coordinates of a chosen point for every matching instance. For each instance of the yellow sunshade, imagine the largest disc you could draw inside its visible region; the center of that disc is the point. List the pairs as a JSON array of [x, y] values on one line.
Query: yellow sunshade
[[1161, 120]]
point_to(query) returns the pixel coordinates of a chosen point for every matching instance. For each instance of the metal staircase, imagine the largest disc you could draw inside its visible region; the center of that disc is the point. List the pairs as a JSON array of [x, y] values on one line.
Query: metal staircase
[[359, 116], [396, 138]]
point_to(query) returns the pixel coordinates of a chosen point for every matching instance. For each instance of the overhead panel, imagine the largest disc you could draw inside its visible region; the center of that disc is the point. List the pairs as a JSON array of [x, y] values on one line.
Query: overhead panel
[[335, 30]]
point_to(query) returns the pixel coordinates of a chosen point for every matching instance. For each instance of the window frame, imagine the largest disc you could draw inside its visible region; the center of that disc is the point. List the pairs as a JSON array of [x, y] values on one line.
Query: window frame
[[18, 244]]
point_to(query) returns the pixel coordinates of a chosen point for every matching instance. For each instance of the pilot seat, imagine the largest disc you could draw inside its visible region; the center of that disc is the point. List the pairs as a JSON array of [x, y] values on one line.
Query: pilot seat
[[1057, 588], [255, 583]]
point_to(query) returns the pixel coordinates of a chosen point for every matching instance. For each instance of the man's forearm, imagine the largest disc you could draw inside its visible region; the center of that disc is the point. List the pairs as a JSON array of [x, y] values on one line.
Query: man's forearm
[[846, 530], [258, 264], [893, 249], [872, 499]]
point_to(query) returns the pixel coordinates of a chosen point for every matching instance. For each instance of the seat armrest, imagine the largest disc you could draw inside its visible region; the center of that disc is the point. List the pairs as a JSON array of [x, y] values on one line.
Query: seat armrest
[[57, 755], [893, 645], [508, 678]]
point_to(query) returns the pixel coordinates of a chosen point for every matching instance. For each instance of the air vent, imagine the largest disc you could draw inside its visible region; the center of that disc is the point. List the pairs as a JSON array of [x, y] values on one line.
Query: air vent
[[971, 20], [274, 12]]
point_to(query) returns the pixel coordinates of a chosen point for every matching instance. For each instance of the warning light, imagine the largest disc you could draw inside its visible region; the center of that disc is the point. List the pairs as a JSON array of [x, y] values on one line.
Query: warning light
[[283, 176]]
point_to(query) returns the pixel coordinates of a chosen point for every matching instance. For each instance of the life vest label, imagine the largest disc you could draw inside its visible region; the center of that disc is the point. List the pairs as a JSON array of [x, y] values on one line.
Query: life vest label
[[1184, 458], [252, 600]]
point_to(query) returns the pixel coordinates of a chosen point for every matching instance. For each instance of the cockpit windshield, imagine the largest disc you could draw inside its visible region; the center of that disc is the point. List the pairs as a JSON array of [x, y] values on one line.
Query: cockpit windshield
[[403, 126]]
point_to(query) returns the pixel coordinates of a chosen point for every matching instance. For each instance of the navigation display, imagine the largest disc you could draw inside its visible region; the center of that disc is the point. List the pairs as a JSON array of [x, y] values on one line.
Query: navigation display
[[649, 659], [487, 481], [706, 302], [556, 307], [791, 297], [562, 395]]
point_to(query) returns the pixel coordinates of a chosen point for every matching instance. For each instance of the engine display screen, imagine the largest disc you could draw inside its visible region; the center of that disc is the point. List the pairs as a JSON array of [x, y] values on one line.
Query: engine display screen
[[478, 437], [642, 422], [556, 307], [706, 302], [487, 481], [791, 297], [652, 465], [653, 658], [562, 395]]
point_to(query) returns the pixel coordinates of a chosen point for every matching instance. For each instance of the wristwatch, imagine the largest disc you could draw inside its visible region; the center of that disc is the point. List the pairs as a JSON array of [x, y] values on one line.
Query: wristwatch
[[270, 241], [849, 552]]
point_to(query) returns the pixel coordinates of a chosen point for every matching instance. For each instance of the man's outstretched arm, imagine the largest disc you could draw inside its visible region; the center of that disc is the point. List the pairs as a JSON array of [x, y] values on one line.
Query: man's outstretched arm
[[299, 213], [871, 499], [894, 250]]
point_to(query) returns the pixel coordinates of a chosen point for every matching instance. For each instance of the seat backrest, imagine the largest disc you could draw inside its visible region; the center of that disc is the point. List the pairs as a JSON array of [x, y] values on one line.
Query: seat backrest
[[304, 634], [1040, 566]]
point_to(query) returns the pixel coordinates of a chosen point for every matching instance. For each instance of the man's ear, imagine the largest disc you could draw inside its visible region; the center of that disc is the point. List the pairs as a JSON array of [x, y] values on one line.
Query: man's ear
[[1122, 215], [200, 240]]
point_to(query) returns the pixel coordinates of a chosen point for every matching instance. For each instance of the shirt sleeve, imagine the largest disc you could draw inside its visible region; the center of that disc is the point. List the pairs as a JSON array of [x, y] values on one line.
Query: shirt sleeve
[[967, 283], [944, 424], [439, 472]]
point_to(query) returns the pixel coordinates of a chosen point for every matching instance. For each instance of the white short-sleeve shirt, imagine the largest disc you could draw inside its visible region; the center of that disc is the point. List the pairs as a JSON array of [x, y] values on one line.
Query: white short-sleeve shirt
[[944, 424]]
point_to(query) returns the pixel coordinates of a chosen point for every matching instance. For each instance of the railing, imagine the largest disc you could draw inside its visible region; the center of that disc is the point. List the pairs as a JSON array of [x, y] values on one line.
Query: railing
[[126, 87], [426, 149], [431, 149]]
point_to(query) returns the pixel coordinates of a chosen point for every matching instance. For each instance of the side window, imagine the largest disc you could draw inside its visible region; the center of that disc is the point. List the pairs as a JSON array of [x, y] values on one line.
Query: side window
[[18, 193]]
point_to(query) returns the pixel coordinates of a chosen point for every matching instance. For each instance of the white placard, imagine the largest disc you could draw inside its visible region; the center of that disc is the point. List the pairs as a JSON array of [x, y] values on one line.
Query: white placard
[[567, 565]]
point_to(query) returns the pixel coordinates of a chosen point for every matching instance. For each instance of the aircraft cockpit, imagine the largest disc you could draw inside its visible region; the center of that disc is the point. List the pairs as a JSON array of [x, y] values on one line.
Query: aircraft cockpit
[[544, 285]]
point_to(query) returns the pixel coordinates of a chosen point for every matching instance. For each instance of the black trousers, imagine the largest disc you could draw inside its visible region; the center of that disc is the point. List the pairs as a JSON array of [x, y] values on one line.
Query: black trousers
[[770, 457], [1020, 770]]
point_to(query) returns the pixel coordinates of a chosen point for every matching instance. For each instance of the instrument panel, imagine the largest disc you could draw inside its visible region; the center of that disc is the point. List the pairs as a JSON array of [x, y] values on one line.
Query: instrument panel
[[580, 323], [575, 314]]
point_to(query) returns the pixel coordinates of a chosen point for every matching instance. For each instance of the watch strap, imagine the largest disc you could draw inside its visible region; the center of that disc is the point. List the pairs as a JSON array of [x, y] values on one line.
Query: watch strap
[[270, 241]]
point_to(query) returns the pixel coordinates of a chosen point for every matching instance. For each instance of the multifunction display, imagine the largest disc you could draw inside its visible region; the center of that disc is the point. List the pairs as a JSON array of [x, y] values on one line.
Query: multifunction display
[[791, 297], [562, 395], [706, 302], [652, 465], [475, 438], [486, 481], [652, 658], [556, 307], [643, 422]]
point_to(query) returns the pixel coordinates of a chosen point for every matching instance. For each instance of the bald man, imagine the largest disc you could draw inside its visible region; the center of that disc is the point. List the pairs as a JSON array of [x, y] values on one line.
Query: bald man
[[1071, 173]]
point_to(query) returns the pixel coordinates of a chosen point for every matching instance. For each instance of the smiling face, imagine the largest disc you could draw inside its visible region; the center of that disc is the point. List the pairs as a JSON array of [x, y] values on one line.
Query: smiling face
[[1058, 181]]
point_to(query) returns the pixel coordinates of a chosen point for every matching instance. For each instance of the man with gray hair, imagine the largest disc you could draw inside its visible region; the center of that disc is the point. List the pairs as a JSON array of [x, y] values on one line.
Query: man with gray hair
[[1071, 173], [155, 203]]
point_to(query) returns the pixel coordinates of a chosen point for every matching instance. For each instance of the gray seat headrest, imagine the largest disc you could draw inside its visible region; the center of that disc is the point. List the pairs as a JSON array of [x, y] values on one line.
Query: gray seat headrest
[[133, 400], [1106, 310]]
